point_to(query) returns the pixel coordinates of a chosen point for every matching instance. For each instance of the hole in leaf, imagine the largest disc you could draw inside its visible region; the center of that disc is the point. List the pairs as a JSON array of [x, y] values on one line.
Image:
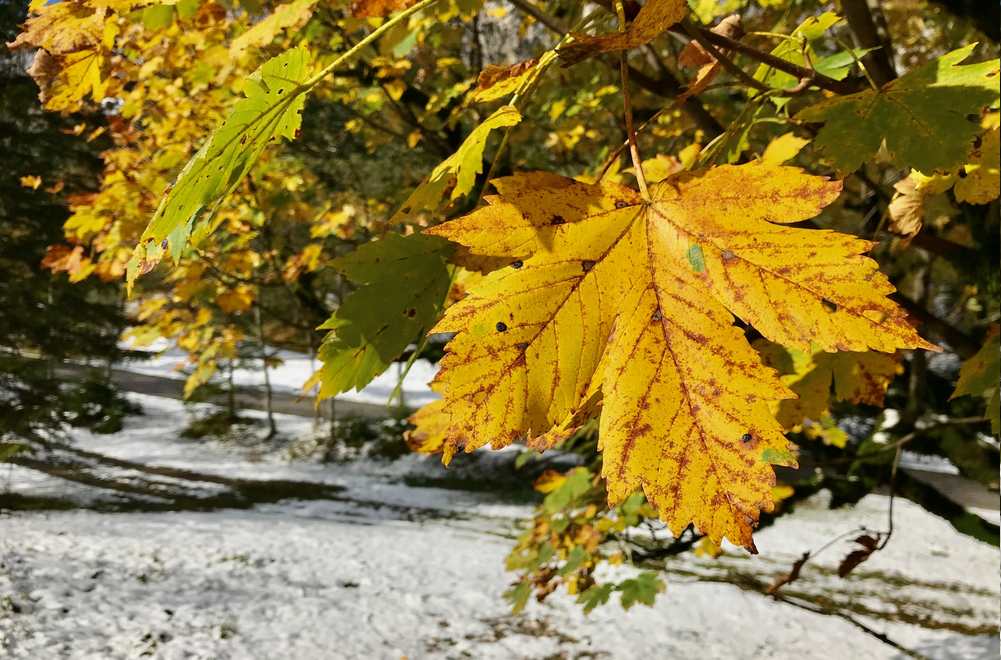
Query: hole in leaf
[[586, 265], [517, 264], [829, 305], [501, 326], [558, 220]]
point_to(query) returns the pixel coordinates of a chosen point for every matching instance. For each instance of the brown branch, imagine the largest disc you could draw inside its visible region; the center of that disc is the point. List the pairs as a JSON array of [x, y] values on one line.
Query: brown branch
[[879, 62], [667, 86], [847, 86], [698, 35], [539, 15]]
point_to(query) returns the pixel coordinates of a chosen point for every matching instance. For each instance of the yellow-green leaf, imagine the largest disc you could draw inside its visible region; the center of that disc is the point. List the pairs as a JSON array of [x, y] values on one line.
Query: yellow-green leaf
[[271, 109], [458, 170]]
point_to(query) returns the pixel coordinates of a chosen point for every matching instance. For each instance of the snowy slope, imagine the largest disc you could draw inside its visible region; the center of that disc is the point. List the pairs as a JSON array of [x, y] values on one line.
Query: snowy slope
[[293, 372], [393, 571]]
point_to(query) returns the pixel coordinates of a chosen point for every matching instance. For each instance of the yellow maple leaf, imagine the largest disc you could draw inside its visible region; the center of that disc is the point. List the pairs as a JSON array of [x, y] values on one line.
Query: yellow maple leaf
[[496, 81], [289, 15], [636, 298], [62, 27], [428, 436], [783, 148]]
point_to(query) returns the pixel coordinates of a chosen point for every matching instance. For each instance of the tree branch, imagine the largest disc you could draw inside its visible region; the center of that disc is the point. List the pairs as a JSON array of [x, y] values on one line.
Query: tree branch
[[879, 63], [847, 86], [695, 33], [667, 86]]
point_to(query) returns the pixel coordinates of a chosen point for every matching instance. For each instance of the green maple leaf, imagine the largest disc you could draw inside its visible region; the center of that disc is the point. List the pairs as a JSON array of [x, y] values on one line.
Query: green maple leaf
[[924, 116], [641, 589], [404, 280], [271, 109]]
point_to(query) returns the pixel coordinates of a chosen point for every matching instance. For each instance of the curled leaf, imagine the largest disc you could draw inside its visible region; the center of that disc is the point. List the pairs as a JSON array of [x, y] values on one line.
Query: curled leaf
[[653, 18]]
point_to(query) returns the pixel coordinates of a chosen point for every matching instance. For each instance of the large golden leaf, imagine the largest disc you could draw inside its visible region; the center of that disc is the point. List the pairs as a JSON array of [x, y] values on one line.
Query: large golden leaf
[[635, 299]]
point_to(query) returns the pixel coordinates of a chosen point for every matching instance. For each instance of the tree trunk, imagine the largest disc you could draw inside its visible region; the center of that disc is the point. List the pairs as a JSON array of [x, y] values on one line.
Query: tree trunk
[[231, 393], [272, 428]]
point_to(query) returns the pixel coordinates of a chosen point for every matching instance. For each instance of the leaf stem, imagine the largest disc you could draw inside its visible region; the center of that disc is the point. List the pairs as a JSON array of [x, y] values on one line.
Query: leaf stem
[[634, 152]]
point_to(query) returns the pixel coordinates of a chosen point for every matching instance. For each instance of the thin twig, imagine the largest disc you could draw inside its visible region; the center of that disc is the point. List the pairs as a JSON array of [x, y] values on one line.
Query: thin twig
[[667, 86], [634, 151], [699, 36], [837, 86]]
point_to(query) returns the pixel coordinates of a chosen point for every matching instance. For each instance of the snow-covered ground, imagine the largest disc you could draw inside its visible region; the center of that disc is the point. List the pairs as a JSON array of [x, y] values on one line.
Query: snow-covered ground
[[293, 372], [391, 570]]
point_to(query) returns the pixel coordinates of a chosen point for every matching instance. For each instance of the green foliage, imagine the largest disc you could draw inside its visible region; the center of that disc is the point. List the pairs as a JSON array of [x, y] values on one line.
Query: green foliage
[[641, 589], [923, 116], [981, 376], [403, 281], [10, 449]]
